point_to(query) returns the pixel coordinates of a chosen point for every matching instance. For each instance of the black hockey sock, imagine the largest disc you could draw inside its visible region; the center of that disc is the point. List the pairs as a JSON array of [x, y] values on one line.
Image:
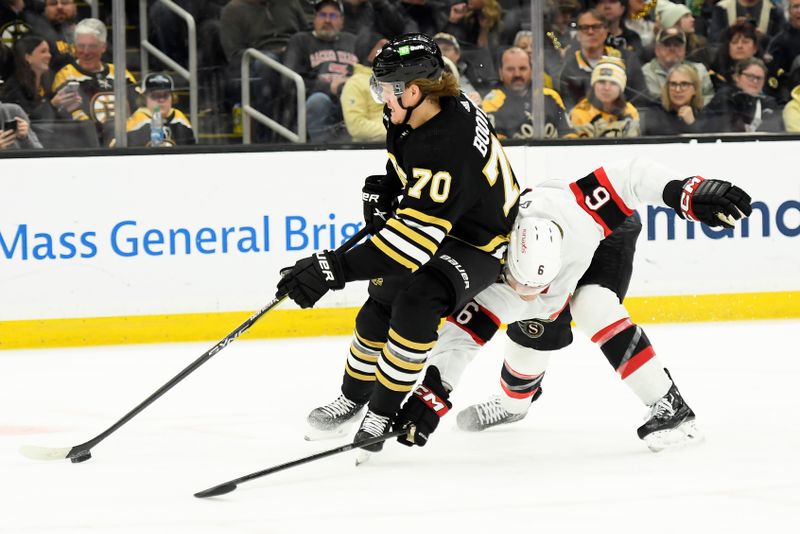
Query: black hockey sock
[[625, 345]]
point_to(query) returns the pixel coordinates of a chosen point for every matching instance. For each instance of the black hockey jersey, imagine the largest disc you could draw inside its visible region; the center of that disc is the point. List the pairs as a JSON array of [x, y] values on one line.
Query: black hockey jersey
[[456, 182]]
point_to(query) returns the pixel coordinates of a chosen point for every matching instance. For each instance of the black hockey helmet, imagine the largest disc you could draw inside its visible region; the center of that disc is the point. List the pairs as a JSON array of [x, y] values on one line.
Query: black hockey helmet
[[412, 56]]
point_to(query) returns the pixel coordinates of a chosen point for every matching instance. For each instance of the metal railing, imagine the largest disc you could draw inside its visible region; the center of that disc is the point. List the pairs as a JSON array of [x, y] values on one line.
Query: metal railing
[[189, 74], [249, 111], [94, 5]]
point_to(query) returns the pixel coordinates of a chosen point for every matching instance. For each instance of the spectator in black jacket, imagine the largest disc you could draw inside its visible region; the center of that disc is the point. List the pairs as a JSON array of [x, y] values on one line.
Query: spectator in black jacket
[[743, 106], [574, 80], [681, 103], [58, 27], [783, 49], [764, 15], [324, 58], [739, 43], [31, 85]]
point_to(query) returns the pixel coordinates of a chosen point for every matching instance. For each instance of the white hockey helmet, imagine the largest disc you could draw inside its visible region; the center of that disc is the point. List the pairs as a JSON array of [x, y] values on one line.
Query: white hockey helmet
[[534, 253]]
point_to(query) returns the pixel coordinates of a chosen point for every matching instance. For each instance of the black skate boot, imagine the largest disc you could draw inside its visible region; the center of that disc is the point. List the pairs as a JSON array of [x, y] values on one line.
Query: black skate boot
[[372, 426], [485, 415], [670, 423], [331, 420]]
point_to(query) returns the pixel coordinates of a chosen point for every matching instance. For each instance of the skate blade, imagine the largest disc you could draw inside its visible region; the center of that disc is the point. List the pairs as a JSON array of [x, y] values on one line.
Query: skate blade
[[362, 457], [314, 434], [683, 435]]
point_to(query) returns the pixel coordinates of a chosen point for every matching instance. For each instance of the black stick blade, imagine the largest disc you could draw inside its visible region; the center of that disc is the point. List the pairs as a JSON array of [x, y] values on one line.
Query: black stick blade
[[222, 489]]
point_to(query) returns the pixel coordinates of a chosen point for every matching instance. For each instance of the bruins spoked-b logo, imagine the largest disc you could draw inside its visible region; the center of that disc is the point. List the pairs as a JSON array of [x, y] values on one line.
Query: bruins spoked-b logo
[[531, 328], [102, 107], [12, 32]]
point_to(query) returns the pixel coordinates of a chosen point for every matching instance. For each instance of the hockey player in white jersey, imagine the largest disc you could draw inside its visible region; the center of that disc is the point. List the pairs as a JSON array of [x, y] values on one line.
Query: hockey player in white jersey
[[571, 251]]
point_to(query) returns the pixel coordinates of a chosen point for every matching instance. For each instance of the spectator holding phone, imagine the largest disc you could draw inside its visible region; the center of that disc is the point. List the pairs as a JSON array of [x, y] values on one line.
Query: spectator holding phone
[[30, 87], [16, 131], [95, 78]]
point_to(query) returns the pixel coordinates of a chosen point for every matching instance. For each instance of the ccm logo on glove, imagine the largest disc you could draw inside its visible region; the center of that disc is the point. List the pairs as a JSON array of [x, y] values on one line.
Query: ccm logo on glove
[[686, 196], [431, 400]]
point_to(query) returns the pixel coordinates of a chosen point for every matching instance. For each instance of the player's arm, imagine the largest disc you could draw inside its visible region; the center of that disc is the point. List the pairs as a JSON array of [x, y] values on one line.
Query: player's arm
[[613, 191], [433, 199]]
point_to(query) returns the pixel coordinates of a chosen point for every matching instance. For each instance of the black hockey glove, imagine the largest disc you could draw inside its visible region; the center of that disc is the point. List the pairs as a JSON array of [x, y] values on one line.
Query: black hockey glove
[[423, 409], [311, 278], [713, 202], [380, 201]]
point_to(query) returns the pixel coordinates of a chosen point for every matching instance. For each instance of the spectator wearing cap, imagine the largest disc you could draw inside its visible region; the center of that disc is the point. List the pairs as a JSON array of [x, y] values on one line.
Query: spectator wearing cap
[[363, 116], [451, 49], [742, 106], [325, 58], [95, 79], [783, 49], [158, 92], [374, 16], [680, 16], [681, 105], [606, 112], [620, 36], [670, 51], [791, 112], [509, 105], [740, 43], [574, 80], [767, 18]]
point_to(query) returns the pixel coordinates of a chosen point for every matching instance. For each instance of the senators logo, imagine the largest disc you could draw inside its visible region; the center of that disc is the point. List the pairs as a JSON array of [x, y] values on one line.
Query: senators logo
[[532, 329]]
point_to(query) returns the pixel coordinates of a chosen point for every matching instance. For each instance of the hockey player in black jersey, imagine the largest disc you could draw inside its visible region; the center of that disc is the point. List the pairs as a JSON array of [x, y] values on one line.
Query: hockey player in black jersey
[[440, 248]]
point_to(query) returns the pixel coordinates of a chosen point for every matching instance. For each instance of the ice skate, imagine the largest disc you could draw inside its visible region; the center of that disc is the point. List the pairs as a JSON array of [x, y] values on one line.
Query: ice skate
[[372, 426], [332, 420], [670, 423], [485, 415]]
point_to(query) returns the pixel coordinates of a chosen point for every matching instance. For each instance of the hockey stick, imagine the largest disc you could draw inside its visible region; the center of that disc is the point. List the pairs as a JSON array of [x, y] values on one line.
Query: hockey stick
[[81, 453], [227, 487]]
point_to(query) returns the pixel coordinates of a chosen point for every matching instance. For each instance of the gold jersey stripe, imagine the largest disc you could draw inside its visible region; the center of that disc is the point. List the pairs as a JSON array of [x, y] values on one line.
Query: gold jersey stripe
[[359, 376], [407, 343], [444, 224], [402, 364], [413, 235], [368, 358], [402, 388], [371, 344], [402, 260]]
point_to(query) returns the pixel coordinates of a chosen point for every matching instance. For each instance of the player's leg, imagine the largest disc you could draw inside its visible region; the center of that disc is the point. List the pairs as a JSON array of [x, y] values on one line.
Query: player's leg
[[372, 326], [625, 345], [527, 354], [598, 311], [448, 281]]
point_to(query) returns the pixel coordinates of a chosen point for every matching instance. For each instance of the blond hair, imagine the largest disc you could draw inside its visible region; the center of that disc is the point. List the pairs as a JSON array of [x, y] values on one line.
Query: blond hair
[[691, 73], [447, 85]]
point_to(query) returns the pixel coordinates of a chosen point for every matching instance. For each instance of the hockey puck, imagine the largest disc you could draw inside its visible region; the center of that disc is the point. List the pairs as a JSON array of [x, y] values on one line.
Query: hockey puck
[[81, 457]]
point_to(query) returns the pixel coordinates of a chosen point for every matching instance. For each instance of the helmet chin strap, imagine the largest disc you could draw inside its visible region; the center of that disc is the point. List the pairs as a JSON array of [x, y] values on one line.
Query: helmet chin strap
[[410, 109]]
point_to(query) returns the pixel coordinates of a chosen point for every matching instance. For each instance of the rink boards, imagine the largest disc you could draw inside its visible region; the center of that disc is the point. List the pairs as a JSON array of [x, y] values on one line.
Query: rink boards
[[124, 249]]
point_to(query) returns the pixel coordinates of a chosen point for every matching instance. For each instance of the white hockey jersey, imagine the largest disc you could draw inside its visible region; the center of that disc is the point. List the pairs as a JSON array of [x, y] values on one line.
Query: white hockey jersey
[[587, 210]]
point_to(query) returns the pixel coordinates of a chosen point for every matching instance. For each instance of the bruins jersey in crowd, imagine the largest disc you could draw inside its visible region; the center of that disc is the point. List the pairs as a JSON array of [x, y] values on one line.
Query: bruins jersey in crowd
[[510, 113], [177, 128], [456, 182], [96, 90]]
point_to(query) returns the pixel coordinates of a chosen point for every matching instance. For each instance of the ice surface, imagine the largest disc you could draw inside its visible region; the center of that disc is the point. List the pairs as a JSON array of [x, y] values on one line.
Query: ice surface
[[573, 465]]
